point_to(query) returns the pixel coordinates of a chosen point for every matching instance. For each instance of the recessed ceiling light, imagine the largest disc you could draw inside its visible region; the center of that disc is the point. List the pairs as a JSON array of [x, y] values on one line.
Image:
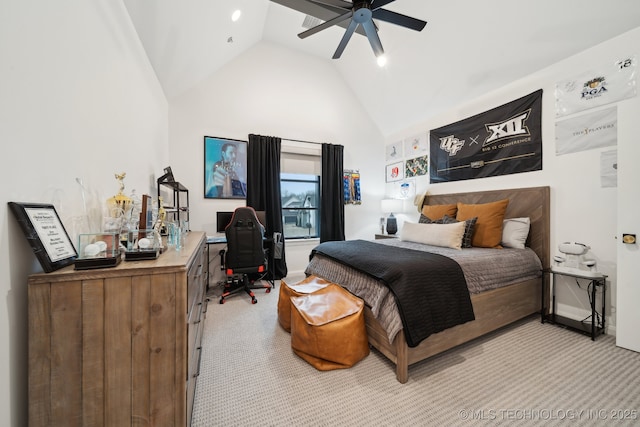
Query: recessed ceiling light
[[382, 61], [236, 15]]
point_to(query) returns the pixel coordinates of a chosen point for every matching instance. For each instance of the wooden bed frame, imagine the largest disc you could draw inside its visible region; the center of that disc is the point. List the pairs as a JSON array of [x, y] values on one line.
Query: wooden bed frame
[[493, 309]]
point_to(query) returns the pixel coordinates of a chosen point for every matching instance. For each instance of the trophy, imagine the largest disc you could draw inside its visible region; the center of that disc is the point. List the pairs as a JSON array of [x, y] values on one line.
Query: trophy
[[118, 207], [120, 203]]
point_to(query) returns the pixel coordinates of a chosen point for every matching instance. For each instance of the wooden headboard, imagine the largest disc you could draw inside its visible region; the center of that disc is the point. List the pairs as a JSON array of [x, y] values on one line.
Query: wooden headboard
[[532, 202]]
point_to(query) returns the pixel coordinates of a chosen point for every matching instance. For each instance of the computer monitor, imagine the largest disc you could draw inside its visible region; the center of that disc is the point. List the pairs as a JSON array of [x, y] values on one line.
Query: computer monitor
[[222, 220]]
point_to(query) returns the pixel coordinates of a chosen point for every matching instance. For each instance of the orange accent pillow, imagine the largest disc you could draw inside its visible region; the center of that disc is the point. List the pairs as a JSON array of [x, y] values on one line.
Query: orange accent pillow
[[488, 230], [438, 211]]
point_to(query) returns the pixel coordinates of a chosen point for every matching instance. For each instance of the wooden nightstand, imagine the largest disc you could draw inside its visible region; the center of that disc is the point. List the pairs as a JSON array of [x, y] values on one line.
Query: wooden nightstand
[[386, 236]]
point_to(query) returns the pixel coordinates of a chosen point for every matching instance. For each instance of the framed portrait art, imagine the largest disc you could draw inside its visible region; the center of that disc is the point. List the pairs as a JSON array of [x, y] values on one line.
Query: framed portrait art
[[225, 168]]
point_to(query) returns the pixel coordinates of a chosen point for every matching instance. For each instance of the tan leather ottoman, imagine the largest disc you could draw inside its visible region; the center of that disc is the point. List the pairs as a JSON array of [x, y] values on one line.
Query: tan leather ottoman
[[308, 285], [327, 328]]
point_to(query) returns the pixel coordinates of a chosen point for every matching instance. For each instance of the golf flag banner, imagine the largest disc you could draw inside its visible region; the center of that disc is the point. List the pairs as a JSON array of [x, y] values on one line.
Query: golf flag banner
[[588, 131], [501, 141], [607, 84]]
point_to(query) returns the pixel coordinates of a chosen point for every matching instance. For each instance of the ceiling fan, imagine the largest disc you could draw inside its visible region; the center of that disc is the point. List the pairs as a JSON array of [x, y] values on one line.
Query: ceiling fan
[[359, 13]]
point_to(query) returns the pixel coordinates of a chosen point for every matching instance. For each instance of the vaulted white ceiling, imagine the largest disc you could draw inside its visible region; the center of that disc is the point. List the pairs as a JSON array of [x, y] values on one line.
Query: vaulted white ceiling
[[467, 48]]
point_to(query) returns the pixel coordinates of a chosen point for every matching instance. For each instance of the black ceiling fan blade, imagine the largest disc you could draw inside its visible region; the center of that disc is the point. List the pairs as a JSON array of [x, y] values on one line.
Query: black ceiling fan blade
[[345, 39], [334, 3], [324, 25], [372, 35], [377, 4], [399, 19], [317, 10]]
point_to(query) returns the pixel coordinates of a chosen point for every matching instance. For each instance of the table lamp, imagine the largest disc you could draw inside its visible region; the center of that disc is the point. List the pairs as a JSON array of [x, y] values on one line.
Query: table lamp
[[389, 206]]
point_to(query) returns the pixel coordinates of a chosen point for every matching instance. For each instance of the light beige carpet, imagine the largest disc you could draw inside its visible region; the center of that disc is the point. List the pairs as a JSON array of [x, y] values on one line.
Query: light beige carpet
[[525, 374]]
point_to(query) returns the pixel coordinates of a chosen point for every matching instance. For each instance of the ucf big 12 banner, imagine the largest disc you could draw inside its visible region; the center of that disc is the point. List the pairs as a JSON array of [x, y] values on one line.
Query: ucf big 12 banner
[[502, 141]]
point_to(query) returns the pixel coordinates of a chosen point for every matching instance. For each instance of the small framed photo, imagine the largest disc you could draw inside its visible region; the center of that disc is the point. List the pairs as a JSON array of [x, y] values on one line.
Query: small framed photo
[[393, 152], [395, 172], [45, 233], [417, 167], [416, 145], [225, 168]]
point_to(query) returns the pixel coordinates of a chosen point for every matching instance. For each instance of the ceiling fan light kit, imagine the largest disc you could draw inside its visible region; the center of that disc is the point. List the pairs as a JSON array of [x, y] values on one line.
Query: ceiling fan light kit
[[360, 13]]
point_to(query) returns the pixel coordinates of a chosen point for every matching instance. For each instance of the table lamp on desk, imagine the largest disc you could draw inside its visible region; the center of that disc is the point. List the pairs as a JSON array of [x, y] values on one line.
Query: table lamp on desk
[[389, 206]]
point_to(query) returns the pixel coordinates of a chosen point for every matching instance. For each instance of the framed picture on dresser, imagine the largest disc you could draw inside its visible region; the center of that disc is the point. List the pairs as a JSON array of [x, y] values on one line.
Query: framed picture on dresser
[[46, 234]]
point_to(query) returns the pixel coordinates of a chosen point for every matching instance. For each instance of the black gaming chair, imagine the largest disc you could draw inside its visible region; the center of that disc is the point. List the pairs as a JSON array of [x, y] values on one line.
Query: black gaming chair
[[245, 260]]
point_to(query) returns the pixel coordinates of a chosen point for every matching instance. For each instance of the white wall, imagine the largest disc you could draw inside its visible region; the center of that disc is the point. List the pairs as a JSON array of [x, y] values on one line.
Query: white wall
[[274, 91], [78, 99], [580, 209]]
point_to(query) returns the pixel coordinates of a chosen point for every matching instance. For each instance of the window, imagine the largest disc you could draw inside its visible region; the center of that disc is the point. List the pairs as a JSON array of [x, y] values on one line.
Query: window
[[300, 205], [300, 172]]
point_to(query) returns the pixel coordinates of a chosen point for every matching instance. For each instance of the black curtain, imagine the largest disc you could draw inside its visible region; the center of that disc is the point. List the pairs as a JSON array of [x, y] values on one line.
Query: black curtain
[[332, 194], [263, 188]]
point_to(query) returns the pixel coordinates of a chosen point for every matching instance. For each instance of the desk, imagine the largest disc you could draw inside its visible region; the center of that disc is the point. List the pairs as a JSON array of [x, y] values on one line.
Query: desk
[[593, 327], [214, 263]]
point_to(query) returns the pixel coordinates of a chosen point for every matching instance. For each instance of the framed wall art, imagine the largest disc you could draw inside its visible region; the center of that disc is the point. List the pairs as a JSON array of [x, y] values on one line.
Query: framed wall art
[[393, 152], [415, 146], [395, 172], [417, 167], [351, 187], [225, 168], [45, 233]]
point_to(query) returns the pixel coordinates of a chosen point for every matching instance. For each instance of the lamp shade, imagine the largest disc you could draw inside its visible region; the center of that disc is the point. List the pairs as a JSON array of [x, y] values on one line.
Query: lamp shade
[[391, 205]]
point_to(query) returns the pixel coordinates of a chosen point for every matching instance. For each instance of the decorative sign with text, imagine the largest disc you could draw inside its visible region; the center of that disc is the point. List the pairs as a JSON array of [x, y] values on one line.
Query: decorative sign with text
[[45, 233], [501, 141]]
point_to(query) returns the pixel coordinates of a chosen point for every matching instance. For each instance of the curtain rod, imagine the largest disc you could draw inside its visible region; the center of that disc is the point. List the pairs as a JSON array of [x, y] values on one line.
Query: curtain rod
[[304, 142]]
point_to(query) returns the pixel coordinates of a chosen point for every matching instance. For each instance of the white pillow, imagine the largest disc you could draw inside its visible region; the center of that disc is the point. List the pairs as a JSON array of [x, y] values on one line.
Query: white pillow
[[446, 235], [515, 232]]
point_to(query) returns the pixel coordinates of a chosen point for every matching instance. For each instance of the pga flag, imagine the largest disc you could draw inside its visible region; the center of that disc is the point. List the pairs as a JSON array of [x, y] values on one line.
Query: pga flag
[[609, 83], [502, 141]]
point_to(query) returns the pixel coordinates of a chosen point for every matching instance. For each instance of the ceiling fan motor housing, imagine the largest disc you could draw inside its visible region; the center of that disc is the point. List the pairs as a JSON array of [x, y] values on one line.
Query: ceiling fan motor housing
[[362, 14]]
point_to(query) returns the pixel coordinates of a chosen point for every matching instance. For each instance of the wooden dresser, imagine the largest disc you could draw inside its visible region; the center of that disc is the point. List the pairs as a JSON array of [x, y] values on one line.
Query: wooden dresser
[[118, 346]]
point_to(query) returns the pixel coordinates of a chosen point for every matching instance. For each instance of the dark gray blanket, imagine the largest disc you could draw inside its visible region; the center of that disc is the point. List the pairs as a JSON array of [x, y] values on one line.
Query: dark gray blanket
[[430, 289]]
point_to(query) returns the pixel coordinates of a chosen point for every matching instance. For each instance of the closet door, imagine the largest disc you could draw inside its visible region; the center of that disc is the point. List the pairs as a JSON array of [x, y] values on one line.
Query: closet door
[[628, 283]]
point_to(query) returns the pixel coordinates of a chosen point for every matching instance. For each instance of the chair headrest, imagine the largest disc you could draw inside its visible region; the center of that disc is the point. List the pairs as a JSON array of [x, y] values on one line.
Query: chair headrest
[[245, 217]]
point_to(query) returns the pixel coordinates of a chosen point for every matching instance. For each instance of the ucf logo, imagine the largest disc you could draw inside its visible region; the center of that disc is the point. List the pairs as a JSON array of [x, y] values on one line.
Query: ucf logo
[[451, 144], [510, 127]]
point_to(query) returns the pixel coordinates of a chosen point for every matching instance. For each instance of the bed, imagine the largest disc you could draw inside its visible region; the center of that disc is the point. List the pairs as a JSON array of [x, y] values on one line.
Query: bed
[[493, 308]]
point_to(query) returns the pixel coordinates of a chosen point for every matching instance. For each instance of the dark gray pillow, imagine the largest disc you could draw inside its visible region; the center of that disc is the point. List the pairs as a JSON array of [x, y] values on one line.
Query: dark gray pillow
[[426, 220], [469, 228]]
